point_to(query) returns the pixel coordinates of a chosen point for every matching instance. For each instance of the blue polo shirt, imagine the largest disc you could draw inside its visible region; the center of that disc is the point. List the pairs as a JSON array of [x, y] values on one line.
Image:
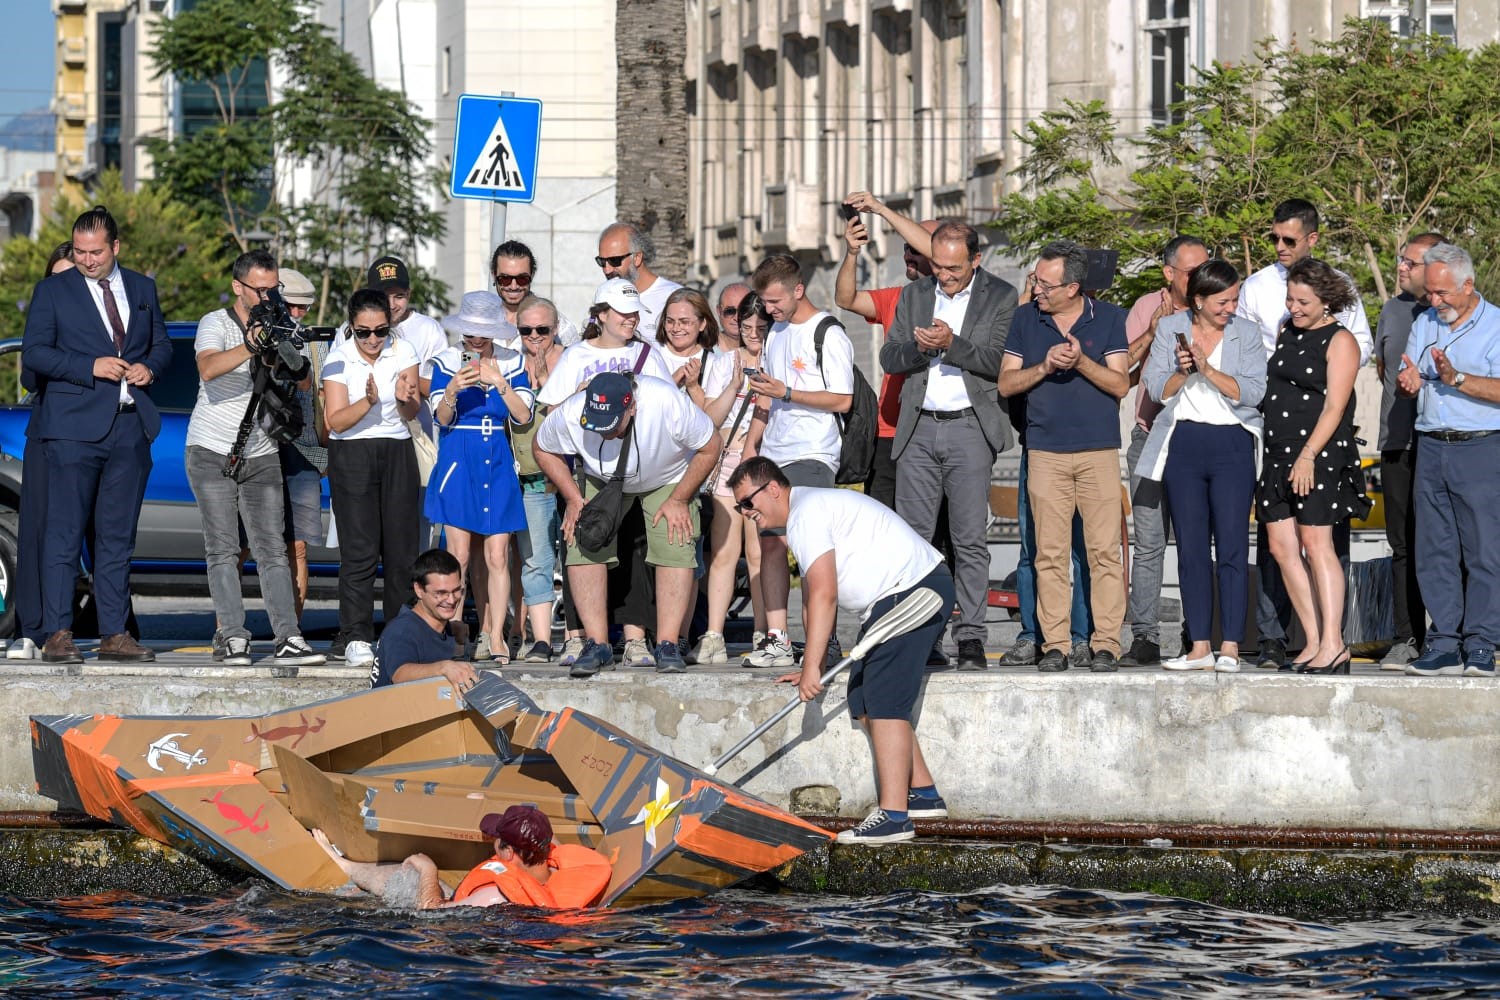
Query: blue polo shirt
[[1065, 412], [1473, 347], [408, 639]]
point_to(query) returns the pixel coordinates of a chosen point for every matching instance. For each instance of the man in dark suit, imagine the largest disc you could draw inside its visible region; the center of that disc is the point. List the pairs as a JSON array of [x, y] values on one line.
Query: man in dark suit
[[95, 341], [947, 339]]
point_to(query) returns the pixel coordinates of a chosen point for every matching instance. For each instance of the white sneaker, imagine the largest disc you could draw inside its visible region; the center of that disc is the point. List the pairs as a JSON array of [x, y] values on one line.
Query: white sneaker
[[22, 649], [1204, 662], [482, 649], [359, 654], [1227, 665], [637, 654], [571, 648], [775, 650], [711, 649]]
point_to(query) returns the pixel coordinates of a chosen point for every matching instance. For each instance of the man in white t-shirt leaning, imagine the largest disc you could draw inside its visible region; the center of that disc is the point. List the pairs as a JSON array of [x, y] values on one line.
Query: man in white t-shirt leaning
[[857, 554], [673, 446], [626, 252], [226, 346], [800, 431]]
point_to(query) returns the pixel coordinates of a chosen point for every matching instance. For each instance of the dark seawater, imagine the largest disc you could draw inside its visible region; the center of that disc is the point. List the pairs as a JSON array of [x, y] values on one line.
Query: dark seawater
[[1044, 942]]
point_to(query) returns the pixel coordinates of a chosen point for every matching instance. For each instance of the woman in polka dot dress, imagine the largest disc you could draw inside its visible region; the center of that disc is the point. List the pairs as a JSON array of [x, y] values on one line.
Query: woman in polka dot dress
[[1310, 478]]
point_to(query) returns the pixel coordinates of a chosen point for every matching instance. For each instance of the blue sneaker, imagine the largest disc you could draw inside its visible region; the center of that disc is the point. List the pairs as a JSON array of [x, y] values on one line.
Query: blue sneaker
[[1479, 663], [669, 659], [1436, 663], [878, 828], [593, 658], [925, 806]]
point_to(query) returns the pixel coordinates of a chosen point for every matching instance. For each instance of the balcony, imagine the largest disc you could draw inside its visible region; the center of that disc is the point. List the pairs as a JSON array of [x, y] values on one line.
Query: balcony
[[74, 51], [791, 217], [948, 201], [801, 18], [69, 6], [71, 107]]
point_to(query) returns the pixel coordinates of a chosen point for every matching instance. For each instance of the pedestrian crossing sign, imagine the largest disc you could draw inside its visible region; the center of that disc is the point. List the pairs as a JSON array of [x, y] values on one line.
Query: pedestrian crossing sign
[[496, 145]]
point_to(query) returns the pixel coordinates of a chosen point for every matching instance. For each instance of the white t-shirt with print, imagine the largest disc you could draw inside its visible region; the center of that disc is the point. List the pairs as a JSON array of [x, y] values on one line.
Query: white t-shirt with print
[[584, 360], [669, 428], [653, 304], [718, 369], [346, 366], [875, 552], [795, 432]]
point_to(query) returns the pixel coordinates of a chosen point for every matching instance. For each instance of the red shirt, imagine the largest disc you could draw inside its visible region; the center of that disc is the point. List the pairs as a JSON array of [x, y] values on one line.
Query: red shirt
[[890, 385]]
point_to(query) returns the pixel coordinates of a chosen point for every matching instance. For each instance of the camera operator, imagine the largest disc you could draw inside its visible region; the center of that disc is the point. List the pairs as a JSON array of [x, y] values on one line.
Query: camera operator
[[231, 344]]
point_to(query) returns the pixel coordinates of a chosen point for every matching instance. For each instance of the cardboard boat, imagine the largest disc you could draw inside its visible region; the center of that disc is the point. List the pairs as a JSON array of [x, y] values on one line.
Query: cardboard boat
[[413, 767]]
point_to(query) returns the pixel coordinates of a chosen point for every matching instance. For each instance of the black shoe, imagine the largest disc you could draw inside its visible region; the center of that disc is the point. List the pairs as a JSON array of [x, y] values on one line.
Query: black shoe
[[1081, 655], [336, 648], [1142, 653], [971, 655], [1272, 654], [937, 659], [1053, 661], [1022, 654], [1104, 662]]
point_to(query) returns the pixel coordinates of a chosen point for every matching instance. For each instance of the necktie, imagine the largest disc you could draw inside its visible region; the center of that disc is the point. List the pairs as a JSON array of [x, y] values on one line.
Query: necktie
[[113, 310]]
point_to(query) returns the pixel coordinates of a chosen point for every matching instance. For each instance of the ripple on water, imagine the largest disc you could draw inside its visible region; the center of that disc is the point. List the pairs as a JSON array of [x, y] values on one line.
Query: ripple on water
[[1023, 941]]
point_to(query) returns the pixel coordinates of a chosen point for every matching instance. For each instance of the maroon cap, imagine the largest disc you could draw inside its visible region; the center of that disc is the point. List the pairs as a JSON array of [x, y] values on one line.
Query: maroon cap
[[525, 829]]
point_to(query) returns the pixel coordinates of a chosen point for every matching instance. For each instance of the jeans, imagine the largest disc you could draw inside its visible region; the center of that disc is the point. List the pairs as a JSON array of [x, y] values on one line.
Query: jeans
[[539, 546], [1149, 548], [254, 497], [1082, 619]]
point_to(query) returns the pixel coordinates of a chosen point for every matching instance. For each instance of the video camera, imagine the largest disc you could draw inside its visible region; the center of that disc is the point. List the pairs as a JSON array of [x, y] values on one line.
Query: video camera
[[282, 337]]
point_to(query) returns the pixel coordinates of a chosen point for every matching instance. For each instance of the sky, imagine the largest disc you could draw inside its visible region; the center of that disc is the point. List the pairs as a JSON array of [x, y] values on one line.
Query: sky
[[26, 69]]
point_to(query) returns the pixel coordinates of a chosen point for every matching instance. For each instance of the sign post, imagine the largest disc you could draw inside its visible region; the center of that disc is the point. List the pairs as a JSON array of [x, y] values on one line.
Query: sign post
[[496, 146]]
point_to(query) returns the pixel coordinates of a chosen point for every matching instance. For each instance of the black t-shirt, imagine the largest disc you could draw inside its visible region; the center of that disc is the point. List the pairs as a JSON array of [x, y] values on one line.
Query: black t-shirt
[[408, 639]]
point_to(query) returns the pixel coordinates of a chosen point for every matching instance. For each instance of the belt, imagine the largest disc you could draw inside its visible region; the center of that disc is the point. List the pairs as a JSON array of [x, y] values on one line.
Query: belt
[[949, 414], [125, 408], [1456, 435], [486, 426]]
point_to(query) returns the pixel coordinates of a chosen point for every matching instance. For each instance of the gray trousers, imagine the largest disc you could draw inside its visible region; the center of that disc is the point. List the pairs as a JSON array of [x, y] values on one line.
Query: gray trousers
[[952, 458], [1147, 551], [255, 500]]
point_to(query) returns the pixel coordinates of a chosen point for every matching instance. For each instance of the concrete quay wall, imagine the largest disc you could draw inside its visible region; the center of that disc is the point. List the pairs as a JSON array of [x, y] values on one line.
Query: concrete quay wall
[[1368, 751]]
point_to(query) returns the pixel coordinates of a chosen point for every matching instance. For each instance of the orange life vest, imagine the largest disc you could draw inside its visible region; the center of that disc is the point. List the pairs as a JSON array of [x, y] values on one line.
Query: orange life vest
[[579, 877]]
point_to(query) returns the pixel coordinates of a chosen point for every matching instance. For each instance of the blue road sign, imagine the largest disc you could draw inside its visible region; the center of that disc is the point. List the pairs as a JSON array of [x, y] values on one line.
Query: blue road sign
[[496, 147]]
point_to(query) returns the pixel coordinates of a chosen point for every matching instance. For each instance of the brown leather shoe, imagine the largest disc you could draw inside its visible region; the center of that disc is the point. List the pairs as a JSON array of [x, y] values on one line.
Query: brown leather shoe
[[124, 647], [59, 648]]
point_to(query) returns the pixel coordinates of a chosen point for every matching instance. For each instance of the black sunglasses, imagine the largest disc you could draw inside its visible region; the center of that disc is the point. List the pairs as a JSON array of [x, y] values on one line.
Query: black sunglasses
[[1286, 241], [746, 505], [729, 311], [364, 334], [534, 331], [502, 280], [613, 261]]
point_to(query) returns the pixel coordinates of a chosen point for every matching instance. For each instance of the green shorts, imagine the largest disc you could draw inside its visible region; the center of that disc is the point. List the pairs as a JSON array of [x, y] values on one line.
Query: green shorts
[[659, 550]]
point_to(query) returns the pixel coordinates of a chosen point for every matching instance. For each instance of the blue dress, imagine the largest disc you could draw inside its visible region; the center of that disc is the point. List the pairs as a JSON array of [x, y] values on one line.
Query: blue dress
[[474, 485]]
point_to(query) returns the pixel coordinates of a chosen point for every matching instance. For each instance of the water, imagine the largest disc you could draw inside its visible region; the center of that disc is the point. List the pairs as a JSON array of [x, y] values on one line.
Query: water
[[1022, 941]]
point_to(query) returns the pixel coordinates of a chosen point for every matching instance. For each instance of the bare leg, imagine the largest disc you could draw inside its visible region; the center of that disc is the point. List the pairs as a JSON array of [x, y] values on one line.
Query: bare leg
[[752, 567], [497, 565], [895, 757], [458, 543], [589, 585], [296, 555], [369, 876], [724, 538], [1328, 588], [674, 589], [775, 580], [1287, 550]]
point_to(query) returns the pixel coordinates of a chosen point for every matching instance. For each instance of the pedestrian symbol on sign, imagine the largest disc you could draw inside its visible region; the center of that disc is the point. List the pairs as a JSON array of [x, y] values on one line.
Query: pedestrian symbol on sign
[[495, 148]]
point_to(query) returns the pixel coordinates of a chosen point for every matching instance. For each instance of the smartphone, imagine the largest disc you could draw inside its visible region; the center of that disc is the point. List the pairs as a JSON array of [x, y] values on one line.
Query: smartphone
[[849, 212], [470, 357], [749, 372], [1182, 344]]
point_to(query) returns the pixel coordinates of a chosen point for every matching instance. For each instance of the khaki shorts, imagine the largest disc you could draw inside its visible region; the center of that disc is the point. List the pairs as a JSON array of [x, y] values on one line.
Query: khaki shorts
[[659, 550]]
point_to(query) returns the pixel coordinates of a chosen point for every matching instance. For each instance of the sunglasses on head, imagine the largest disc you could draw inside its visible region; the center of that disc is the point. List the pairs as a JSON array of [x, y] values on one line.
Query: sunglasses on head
[[615, 261], [364, 334], [534, 331], [746, 505], [504, 280]]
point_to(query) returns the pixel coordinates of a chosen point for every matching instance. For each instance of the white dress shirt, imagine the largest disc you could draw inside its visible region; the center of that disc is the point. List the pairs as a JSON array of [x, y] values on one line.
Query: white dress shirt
[[117, 289], [1263, 302], [945, 383]]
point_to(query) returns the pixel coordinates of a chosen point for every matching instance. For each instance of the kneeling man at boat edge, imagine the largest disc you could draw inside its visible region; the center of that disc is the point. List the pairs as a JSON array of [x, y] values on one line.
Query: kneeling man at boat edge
[[529, 868], [418, 644], [857, 554]]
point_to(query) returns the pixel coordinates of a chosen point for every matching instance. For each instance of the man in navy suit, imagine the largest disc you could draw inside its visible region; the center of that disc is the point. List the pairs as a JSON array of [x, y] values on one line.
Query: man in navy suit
[[95, 341]]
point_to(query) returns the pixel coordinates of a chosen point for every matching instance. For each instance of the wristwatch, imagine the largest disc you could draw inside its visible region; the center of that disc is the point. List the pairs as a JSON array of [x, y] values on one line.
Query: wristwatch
[[1458, 380], [787, 396]]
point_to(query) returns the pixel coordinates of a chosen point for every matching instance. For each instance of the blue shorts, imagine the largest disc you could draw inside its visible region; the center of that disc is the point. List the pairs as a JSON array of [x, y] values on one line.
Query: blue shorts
[[886, 683]]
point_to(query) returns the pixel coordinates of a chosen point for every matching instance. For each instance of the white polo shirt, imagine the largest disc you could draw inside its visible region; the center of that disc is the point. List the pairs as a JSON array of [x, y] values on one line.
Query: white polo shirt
[[346, 366], [875, 552], [669, 428]]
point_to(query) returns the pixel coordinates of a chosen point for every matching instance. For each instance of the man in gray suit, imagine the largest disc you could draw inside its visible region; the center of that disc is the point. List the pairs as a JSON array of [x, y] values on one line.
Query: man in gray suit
[[947, 339]]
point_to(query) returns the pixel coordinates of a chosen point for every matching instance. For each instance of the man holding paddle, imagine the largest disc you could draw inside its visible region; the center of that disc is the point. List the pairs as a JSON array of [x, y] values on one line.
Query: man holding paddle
[[856, 553]]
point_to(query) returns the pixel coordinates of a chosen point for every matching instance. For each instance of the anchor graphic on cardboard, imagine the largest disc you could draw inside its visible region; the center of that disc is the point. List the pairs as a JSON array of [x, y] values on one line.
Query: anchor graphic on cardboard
[[167, 746]]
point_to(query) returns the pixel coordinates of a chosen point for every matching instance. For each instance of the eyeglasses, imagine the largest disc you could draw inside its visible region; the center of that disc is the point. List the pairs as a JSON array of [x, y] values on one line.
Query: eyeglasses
[[365, 334], [746, 505], [615, 261], [443, 595], [1284, 241], [534, 331], [262, 292], [1044, 287], [503, 280], [1407, 262]]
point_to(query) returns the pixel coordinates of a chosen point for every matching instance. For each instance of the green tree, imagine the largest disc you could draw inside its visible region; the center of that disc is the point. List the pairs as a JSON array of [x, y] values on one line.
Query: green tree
[[166, 239]]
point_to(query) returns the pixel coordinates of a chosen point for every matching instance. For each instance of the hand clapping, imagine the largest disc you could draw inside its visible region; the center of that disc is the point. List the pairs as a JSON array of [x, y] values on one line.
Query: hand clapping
[[372, 394]]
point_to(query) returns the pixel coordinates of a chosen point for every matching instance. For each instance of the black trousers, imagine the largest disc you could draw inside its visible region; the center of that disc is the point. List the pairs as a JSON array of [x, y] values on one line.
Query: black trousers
[[377, 499], [1397, 470]]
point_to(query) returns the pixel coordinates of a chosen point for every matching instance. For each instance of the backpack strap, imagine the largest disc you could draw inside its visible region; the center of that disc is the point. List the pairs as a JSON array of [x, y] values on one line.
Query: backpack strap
[[702, 366], [827, 323]]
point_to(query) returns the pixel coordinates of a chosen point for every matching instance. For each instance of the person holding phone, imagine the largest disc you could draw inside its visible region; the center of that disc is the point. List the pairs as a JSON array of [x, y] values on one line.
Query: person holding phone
[[478, 391], [1208, 369]]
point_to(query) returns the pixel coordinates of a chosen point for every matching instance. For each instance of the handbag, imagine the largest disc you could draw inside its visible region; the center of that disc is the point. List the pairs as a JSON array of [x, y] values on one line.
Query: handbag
[[599, 521], [424, 448]]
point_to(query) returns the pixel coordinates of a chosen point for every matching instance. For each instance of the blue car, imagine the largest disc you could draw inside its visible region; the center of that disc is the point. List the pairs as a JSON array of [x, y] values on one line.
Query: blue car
[[169, 539]]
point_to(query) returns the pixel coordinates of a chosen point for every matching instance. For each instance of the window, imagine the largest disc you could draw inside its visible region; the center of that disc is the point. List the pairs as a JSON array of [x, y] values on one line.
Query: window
[[1441, 17], [1167, 23]]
